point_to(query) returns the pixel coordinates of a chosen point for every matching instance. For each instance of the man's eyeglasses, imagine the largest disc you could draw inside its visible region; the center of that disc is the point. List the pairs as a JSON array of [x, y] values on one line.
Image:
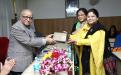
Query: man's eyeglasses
[[26, 17]]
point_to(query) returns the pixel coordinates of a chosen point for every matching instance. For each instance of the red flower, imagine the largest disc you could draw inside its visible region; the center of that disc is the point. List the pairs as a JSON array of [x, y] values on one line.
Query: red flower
[[55, 54]]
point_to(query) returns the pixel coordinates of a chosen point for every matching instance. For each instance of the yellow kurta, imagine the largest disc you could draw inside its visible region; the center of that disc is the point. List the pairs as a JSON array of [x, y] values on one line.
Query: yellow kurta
[[81, 33], [96, 41]]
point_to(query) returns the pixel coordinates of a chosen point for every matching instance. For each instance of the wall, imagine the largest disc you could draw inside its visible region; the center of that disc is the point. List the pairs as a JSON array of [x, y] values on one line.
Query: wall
[[47, 26], [20, 4], [47, 8], [105, 7], [44, 9]]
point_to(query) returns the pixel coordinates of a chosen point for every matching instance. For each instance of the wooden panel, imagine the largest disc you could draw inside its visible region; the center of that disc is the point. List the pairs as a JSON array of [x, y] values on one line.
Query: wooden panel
[[48, 26], [108, 21]]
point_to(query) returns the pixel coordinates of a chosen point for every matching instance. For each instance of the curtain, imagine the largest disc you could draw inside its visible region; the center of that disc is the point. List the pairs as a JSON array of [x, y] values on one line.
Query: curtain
[[5, 17]]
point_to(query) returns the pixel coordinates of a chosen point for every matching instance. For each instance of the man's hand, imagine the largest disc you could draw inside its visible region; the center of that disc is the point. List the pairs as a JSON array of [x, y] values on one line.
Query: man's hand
[[50, 39]]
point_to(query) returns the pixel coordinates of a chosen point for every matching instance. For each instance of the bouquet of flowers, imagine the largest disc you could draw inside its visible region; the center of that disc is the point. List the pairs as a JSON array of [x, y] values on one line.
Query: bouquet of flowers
[[55, 61]]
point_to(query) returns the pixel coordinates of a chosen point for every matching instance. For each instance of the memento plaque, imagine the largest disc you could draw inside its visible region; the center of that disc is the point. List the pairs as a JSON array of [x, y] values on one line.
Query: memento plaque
[[60, 37]]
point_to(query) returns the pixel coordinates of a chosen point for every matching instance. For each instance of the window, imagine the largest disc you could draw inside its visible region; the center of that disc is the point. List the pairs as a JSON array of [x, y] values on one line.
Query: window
[[71, 7]]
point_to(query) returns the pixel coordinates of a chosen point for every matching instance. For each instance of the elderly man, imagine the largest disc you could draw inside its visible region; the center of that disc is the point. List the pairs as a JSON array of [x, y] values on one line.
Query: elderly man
[[22, 41]]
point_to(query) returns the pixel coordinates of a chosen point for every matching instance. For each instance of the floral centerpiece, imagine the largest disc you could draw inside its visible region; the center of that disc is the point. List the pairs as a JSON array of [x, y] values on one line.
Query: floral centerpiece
[[55, 61]]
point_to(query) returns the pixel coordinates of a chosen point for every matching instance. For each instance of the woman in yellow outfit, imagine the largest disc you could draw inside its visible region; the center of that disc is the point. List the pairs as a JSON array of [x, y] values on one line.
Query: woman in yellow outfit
[[95, 46], [81, 33], [81, 16]]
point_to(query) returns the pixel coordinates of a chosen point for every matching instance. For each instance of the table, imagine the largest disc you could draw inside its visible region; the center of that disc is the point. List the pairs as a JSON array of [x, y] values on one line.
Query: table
[[118, 62], [117, 54], [30, 71]]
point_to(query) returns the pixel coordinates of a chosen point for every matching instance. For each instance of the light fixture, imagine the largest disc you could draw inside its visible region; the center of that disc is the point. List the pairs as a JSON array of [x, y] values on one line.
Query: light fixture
[[93, 2]]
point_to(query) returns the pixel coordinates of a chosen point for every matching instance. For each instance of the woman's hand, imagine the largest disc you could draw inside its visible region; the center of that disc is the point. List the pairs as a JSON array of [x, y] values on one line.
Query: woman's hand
[[71, 41]]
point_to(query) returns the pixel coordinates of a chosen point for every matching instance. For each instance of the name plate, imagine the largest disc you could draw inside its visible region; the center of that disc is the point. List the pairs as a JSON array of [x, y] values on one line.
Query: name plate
[[60, 37]]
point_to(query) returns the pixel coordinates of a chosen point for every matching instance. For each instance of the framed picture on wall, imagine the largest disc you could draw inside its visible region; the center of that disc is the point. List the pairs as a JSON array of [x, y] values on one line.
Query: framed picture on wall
[[71, 6]]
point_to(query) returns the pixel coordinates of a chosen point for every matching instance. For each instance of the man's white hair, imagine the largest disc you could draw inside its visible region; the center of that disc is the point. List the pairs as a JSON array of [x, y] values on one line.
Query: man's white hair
[[24, 11]]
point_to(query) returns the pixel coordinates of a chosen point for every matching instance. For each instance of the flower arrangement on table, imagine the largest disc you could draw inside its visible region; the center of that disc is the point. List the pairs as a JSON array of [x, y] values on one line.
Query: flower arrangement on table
[[55, 61]]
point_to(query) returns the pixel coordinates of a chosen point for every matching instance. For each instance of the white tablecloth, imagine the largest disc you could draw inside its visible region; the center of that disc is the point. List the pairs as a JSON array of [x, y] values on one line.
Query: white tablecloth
[[117, 54], [30, 71]]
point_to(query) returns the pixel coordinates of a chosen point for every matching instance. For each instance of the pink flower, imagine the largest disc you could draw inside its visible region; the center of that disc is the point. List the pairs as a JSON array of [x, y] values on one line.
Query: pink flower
[[58, 62]]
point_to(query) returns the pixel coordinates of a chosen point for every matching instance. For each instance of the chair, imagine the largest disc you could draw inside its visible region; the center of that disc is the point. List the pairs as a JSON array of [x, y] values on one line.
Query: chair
[[4, 41]]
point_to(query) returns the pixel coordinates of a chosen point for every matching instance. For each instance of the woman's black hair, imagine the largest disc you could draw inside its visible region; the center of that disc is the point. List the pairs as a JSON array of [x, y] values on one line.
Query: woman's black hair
[[110, 33], [94, 11], [83, 10]]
